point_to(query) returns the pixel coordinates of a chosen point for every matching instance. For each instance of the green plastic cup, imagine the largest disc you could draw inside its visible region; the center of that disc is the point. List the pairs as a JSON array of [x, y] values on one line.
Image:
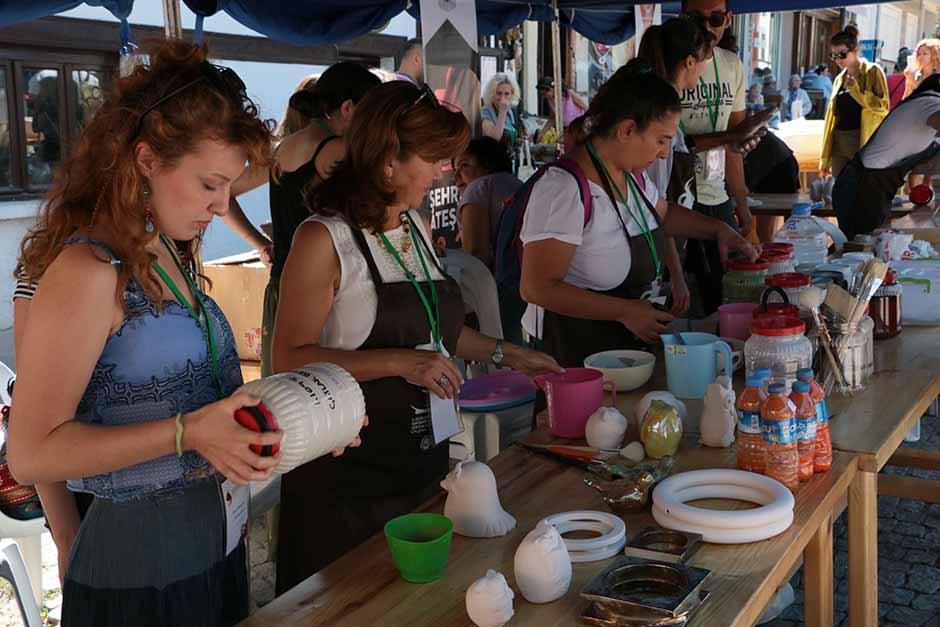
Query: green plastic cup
[[420, 545]]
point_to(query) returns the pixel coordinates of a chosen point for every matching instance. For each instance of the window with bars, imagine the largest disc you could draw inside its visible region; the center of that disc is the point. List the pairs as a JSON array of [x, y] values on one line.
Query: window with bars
[[46, 99]]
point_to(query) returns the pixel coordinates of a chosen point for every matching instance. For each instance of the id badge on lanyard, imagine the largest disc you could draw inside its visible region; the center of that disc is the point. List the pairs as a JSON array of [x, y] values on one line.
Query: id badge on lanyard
[[235, 499], [655, 293], [445, 414], [714, 164]]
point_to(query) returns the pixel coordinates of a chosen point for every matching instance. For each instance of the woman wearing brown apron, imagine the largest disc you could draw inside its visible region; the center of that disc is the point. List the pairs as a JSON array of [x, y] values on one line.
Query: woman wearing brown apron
[[363, 289], [599, 281]]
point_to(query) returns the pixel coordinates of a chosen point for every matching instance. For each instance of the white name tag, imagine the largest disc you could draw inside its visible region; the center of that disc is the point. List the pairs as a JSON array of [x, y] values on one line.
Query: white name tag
[[715, 164], [235, 499]]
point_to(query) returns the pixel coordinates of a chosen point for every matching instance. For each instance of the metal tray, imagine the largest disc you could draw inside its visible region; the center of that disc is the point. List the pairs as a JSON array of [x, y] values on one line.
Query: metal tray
[[665, 545], [593, 615]]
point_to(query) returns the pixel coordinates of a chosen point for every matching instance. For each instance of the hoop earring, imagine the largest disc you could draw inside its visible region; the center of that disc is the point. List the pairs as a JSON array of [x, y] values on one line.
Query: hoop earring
[[148, 212]]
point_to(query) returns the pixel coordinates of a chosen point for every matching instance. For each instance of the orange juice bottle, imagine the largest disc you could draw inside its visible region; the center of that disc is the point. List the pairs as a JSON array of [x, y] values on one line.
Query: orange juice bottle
[[805, 428], [750, 437], [822, 461], [778, 420]]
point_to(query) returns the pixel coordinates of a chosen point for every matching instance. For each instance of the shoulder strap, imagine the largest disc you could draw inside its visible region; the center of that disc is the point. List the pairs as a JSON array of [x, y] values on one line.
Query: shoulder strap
[[418, 224], [574, 169], [318, 150], [112, 258]]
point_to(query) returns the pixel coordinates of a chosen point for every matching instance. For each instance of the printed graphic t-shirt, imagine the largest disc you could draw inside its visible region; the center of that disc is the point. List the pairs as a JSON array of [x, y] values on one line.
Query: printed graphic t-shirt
[[729, 91]]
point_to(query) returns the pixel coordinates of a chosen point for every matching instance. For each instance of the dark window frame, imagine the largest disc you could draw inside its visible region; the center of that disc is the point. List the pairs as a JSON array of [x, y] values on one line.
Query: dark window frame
[[14, 61]]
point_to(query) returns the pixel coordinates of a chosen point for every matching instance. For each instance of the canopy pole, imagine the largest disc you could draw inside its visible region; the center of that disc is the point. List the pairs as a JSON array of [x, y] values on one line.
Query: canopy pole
[[172, 24], [556, 70]]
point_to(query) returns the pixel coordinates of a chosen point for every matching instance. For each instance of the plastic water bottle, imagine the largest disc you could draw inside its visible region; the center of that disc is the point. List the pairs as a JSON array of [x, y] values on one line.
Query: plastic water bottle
[[810, 242], [750, 436], [805, 428], [822, 457], [781, 455]]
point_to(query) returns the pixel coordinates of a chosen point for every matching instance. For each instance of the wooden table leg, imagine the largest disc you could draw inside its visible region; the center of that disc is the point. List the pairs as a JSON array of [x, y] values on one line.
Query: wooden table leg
[[863, 550], [817, 573]]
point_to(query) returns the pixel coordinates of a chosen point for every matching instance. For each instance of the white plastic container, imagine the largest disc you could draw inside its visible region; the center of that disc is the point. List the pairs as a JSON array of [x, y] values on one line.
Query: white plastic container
[[920, 298], [779, 344], [319, 408], [810, 242]]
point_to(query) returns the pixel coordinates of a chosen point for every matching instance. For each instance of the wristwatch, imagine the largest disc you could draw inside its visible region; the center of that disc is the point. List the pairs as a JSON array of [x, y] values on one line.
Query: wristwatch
[[498, 354]]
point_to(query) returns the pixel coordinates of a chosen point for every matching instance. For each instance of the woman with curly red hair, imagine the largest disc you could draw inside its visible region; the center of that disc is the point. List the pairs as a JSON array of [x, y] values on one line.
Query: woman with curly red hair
[[127, 370]]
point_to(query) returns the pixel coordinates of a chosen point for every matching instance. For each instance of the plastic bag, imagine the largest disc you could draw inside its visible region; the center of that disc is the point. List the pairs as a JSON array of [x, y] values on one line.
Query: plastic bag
[[661, 430], [892, 246]]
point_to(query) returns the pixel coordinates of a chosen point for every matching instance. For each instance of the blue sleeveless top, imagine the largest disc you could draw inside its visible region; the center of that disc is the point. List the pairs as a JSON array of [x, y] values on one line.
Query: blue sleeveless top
[[155, 366]]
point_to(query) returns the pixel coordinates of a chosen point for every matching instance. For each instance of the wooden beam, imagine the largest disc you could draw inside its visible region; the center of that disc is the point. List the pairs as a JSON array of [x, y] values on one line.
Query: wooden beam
[[925, 490], [915, 458], [103, 36], [817, 559], [863, 550]]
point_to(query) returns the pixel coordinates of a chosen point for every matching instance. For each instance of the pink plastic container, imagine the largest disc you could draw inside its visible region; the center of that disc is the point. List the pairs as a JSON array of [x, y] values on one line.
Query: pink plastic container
[[573, 396], [735, 320]]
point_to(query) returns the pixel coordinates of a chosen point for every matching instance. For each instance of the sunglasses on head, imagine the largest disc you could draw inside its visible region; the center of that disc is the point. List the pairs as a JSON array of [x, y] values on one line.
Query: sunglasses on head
[[717, 19], [222, 79], [839, 55]]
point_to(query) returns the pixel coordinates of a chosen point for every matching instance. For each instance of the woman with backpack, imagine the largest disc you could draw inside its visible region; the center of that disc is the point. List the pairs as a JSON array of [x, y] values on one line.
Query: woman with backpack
[[597, 271], [864, 191]]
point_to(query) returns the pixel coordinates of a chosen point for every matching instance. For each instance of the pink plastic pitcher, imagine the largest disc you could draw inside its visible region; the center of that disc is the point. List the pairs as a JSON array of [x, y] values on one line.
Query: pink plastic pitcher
[[573, 396], [735, 320]]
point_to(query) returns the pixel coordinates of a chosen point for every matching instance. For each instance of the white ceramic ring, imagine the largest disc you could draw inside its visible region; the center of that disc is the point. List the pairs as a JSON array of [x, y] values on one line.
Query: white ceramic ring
[[606, 538], [612, 529], [671, 493], [724, 535]]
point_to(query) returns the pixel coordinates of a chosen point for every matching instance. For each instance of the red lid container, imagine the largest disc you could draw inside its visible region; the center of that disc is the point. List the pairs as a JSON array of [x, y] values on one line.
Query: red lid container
[[756, 266], [778, 247], [775, 256], [921, 194], [788, 279], [778, 326], [777, 310], [891, 277]]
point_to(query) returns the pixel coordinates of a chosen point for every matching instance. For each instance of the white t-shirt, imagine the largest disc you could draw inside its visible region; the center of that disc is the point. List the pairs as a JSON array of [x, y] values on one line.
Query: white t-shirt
[[661, 170], [730, 91], [602, 260], [903, 133], [356, 302]]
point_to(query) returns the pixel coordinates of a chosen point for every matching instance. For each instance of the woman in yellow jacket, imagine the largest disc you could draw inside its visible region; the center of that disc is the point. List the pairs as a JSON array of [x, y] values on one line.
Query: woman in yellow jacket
[[858, 104]]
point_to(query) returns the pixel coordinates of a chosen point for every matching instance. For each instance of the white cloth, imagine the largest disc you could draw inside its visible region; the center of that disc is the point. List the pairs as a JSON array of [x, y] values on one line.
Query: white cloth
[[697, 120], [903, 133], [602, 259], [355, 303], [661, 170]]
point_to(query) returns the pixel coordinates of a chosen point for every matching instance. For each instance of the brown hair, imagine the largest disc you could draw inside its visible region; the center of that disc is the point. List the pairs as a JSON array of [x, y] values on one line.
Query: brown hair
[[99, 182], [293, 119], [847, 37], [395, 120]]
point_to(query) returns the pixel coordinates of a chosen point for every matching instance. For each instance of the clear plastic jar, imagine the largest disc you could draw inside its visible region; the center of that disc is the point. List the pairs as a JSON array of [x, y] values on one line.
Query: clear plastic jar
[[780, 261], [744, 282], [792, 283], [779, 344], [855, 346]]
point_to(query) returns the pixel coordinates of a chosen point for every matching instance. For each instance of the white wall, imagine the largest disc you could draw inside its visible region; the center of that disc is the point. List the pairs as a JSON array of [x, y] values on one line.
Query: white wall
[[269, 84]]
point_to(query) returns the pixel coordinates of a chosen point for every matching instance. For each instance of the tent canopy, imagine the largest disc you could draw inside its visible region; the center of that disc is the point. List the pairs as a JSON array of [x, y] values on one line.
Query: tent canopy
[[333, 21]]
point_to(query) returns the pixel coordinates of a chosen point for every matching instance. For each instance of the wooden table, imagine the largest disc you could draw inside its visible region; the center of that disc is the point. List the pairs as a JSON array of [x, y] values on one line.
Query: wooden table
[[872, 424], [364, 588], [780, 205]]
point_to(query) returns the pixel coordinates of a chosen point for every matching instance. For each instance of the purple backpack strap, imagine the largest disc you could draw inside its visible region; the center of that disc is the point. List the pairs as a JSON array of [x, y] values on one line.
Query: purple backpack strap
[[575, 170]]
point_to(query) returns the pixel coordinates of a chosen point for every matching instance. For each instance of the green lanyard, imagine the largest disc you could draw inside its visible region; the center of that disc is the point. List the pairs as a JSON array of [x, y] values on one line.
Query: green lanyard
[[641, 222], [713, 108], [434, 316], [324, 125], [207, 330]]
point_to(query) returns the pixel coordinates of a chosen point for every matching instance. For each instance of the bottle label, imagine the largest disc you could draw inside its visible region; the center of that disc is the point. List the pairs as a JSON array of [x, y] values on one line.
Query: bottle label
[[822, 413], [806, 429], [749, 422], [779, 431]]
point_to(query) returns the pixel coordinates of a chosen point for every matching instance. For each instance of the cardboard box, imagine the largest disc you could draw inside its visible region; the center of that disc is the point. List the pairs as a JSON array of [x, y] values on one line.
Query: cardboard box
[[238, 284]]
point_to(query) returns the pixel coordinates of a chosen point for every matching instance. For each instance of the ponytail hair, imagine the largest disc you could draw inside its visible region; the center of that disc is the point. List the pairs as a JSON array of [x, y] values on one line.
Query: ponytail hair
[[340, 82], [666, 47], [847, 37], [635, 93]]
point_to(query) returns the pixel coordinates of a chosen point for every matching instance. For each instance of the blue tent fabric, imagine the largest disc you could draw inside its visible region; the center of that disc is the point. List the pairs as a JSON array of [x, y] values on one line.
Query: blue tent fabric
[[333, 21], [13, 11]]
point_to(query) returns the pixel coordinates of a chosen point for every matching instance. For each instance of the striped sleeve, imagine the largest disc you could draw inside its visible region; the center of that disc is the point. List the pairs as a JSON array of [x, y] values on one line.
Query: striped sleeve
[[24, 289]]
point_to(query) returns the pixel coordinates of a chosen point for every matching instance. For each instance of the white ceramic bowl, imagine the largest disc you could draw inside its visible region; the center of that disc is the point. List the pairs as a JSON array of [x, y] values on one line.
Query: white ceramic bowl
[[626, 378]]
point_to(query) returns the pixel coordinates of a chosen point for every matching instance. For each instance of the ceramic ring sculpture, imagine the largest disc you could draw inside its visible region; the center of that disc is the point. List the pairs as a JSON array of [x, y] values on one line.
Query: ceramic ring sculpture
[[319, 407], [774, 515], [612, 538]]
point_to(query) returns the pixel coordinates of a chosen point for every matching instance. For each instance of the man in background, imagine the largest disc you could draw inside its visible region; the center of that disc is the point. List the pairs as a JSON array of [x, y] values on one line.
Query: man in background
[[411, 64]]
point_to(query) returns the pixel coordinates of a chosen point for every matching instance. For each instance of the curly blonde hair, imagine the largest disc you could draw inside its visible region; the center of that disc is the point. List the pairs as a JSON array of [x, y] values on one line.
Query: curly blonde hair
[[934, 46], [489, 94]]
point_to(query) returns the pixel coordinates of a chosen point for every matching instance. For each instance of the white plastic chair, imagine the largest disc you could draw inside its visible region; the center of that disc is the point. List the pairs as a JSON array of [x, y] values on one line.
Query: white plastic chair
[[13, 569], [26, 533]]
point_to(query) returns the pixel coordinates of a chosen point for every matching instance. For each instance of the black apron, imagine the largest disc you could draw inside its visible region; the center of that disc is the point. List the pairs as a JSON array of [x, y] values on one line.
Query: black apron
[[332, 504], [571, 340], [862, 197]]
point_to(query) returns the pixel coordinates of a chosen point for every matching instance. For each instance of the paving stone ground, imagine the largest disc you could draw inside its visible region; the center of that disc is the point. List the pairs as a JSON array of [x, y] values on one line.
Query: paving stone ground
[[908, 556]]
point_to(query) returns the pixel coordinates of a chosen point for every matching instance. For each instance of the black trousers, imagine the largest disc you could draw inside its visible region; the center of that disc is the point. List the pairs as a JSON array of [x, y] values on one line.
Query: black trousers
[[703, 260]]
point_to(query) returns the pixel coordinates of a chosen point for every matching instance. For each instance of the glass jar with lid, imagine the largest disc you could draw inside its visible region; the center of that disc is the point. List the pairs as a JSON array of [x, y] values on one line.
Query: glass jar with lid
[[792, 283], [778, 343], [855, 350], [744, 281], [885, 307], [780, 258]]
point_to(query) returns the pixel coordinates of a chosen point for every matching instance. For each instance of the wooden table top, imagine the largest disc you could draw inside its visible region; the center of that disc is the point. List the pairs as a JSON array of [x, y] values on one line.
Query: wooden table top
[[781, 205], [364, 587]]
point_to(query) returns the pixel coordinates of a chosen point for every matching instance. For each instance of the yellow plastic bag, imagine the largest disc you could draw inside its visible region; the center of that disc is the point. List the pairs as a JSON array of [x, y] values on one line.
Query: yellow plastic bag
[[661, 430]]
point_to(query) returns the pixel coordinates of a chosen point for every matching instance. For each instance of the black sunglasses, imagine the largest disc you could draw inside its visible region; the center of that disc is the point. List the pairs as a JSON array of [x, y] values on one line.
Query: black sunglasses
[[222, 79], [839, 55], [717, 19]]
